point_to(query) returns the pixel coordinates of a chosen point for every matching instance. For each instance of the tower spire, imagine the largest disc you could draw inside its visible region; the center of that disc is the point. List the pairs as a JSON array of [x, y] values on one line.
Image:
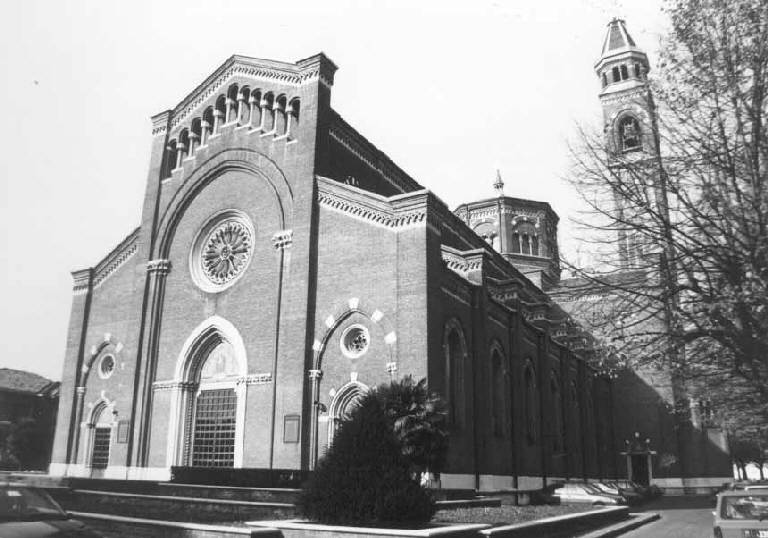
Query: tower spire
[[622, 64], [498, 185]]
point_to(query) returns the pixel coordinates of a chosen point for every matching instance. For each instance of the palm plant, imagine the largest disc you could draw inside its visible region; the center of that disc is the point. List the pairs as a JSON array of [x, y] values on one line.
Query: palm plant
[[418, 420]]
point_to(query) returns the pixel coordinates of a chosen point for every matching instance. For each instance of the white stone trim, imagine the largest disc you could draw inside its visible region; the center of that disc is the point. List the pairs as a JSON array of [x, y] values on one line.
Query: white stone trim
[[457, 481], [312, 529], [495, 482], [530, 482], [57, 469], [161, 474]]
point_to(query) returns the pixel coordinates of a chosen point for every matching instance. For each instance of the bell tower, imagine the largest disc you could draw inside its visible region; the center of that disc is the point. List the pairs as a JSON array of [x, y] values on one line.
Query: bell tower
[[629, 116]]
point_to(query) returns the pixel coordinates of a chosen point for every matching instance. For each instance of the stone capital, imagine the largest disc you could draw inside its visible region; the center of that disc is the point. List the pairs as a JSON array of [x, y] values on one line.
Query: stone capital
[[160, 266], [282, 239]]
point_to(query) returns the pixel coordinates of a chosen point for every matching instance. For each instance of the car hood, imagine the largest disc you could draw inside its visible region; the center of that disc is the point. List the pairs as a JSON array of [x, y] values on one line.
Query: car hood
[[45, 529]]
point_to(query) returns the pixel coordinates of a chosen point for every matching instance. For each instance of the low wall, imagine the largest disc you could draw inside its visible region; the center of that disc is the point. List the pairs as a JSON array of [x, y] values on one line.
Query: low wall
[[558, 526], [120, 527]]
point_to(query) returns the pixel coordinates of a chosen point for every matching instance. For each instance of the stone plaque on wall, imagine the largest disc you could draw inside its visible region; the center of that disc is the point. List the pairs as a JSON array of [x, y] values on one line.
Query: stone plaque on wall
[[291, 428]]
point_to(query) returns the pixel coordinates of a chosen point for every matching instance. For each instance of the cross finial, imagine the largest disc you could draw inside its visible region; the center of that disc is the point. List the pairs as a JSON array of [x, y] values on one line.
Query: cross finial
[[498, 185]]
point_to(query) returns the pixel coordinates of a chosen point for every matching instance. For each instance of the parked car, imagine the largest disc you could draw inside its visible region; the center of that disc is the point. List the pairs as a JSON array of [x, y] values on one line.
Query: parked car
[[632, 496], [584, 493], [741, 514], [27, 512], [647, 492]]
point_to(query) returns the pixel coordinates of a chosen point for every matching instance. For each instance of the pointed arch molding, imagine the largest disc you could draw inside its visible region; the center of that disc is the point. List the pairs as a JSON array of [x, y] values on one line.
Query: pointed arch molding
[[96, 408], [208, 333], [332, 321], [193, 353], [497, 347], [253, 163]]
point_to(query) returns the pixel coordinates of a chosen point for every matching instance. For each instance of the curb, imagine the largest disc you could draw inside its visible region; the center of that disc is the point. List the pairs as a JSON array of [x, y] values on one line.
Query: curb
[[638, 520]]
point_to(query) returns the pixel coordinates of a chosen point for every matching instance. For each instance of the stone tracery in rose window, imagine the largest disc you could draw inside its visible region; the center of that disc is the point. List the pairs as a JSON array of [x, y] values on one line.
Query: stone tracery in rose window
[[226, 251]]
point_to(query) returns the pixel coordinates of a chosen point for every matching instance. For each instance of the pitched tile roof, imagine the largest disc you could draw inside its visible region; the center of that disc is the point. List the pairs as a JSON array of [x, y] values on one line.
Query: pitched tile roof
[[21, 381]]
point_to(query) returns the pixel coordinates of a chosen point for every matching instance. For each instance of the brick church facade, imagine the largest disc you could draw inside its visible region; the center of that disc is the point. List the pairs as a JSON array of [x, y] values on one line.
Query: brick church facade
[[283, 266]]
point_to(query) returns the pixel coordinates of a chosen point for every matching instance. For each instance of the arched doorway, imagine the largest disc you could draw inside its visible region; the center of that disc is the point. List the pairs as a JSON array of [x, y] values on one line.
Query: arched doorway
[[214, 426], [100, 441], [208, 399], [342, 404]]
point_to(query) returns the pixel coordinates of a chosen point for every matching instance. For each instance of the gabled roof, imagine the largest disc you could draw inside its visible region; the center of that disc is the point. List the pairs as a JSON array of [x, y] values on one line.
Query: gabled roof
[[22, 381], [309, 70]]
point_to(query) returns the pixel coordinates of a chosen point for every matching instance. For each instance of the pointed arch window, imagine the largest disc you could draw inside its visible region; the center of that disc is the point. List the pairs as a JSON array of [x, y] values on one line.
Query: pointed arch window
[[102, 438], [557, 414], [455, 352], [498, 394], [215, 410], [530, 404], [344, 401]]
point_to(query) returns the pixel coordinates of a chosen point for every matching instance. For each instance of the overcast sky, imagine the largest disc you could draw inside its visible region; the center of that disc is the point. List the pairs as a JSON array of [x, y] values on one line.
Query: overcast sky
[[451, 91]]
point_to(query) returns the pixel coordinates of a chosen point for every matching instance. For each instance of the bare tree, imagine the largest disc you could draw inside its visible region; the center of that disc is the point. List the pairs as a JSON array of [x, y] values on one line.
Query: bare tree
[[681, 228]]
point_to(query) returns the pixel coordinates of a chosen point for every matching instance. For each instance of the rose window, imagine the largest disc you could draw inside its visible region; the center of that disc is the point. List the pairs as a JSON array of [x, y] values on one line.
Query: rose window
[[222, 251], [354, 341], [106, 366], [226, 251]]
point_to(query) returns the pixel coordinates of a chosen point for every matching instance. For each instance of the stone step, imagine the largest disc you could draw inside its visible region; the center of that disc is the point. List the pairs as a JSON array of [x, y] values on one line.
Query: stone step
[[172, 508]]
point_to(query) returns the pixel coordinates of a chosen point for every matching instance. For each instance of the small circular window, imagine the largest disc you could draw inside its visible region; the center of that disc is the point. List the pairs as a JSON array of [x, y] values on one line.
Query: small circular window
[[354, 341], [222, 251], [106, 366]]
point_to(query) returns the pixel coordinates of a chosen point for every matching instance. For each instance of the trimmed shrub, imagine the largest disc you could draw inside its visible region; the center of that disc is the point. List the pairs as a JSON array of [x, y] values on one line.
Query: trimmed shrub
[[363, 478]]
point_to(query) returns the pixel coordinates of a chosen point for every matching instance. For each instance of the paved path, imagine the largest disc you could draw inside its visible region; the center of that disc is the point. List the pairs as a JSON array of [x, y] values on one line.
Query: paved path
[[681, 517]]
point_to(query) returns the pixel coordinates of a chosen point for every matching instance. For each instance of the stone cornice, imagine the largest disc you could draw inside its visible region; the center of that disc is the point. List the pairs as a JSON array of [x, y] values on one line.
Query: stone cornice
[[119, 255], [317, 68], [462, 263], [348, 137], [509, 206], [81, 281], [394, 212], [250, 379], [625, 95], [160, 122], [107, 266]]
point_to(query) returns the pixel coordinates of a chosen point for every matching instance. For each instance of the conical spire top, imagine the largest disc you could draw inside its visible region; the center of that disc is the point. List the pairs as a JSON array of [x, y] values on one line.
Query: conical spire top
[[498, 185], [617, 38], [620, 58]]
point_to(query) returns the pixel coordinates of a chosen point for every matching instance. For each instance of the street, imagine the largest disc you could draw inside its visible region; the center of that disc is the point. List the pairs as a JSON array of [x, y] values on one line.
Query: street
[[681, 517]]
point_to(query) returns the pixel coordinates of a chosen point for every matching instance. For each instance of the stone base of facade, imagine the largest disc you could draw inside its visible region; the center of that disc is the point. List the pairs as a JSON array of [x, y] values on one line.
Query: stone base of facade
[[115, 472]]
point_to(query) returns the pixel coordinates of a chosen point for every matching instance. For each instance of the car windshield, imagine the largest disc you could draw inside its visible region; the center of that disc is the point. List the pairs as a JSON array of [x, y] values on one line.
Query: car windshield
[[745, 507], [26, 504]]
